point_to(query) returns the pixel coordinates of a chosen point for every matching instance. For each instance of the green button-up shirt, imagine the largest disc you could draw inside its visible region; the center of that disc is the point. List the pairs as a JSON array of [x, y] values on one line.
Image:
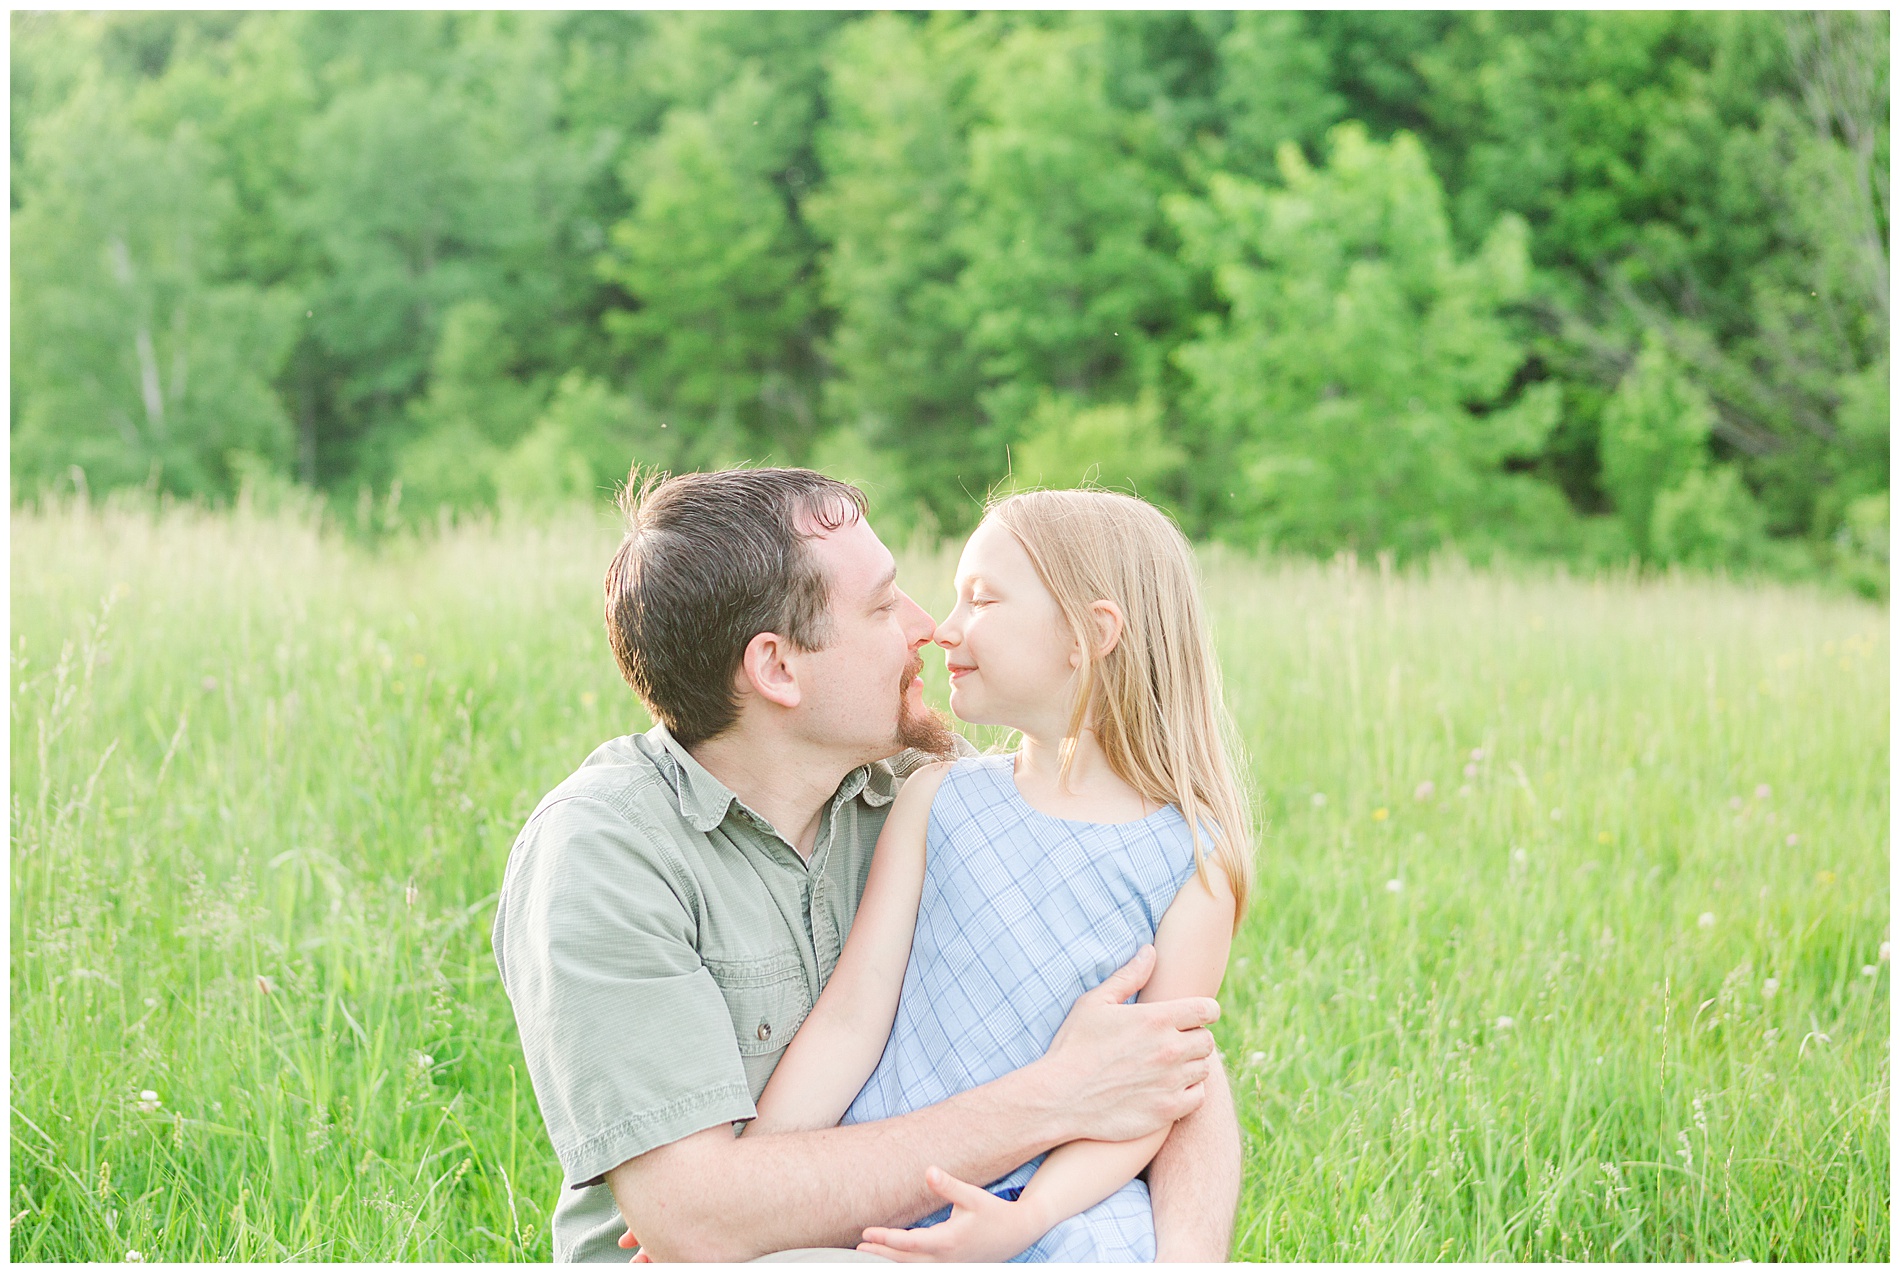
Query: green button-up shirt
[[660, 943]]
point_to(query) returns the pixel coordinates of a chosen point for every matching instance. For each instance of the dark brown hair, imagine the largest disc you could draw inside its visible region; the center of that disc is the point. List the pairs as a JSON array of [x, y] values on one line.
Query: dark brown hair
[[710, 560]]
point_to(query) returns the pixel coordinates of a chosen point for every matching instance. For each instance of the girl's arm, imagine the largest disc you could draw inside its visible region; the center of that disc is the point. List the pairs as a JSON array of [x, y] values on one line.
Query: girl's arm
[[839, 1044], [1191, 958]]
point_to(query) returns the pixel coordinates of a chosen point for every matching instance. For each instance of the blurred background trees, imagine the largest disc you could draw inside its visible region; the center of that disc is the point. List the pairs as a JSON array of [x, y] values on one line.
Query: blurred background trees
[[1575, 284]]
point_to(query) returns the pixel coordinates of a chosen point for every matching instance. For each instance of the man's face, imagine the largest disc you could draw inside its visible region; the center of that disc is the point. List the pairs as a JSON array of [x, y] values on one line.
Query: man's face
[[862, 692]]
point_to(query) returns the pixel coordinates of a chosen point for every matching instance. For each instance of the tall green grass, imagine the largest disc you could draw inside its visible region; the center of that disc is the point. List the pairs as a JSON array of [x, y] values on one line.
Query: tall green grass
[[1568, 941]]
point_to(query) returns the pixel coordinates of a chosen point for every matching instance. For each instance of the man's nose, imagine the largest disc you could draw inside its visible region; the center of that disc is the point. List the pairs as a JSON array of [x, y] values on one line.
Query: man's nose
[[918, 625]]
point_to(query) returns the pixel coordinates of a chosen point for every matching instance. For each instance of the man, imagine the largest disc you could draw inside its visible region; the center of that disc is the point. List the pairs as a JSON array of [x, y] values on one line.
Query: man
[[672, 910]]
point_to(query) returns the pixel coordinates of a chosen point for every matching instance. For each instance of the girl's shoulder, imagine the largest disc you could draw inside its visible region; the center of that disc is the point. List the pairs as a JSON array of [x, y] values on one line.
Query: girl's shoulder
[[927, 779], [923, 780], [988, 764]]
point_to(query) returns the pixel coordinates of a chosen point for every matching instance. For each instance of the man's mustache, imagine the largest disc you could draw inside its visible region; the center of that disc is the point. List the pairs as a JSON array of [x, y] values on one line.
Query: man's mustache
[[914, 670]]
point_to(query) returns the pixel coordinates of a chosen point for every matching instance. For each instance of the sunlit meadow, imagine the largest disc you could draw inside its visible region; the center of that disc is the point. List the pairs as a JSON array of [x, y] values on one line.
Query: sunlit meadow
[[1570, 940]]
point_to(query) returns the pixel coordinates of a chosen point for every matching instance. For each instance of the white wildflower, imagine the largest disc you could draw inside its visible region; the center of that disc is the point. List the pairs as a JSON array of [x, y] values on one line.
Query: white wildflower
[[1394, 886], [1705, 920]]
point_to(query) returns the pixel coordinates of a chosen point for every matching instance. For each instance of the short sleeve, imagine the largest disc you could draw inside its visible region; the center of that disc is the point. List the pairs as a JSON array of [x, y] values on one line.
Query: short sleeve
[[627, 1037]]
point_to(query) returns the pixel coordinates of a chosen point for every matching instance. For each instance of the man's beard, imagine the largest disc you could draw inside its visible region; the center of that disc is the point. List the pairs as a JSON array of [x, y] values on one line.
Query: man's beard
[[922, 729]]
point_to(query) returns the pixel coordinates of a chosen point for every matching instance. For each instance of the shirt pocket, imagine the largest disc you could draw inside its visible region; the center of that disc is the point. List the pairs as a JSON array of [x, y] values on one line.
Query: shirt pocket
[[768, 1000]]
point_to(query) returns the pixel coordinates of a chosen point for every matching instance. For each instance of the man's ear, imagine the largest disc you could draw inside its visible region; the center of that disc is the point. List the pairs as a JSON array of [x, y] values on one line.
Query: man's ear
[[1108, 630], [767, 671]]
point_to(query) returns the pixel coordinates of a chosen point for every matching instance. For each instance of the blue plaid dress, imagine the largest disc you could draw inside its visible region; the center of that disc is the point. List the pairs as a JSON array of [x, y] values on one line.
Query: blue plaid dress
[[1021, 913]]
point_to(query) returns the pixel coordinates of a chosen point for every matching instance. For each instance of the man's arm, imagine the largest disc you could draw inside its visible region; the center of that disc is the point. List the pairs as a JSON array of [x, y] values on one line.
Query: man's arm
[[1116, 1071], [1194, 1180]]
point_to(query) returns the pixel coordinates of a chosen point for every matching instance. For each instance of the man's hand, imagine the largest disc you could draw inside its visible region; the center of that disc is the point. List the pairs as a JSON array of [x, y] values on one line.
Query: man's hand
[[1121, 1070], [982, 1228], [1116, 1071]]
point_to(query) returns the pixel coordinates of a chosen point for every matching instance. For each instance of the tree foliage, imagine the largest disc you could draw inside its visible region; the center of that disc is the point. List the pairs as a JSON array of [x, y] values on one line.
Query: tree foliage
[[136, 356], [1577, 283], [1360, 388]]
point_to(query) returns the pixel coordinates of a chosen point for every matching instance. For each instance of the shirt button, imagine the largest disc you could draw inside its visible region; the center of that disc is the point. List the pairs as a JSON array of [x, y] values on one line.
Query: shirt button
[[765, 1031]]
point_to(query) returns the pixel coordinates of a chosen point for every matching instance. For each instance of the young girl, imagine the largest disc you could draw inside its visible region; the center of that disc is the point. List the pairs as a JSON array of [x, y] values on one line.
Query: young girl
[[1003, 887]]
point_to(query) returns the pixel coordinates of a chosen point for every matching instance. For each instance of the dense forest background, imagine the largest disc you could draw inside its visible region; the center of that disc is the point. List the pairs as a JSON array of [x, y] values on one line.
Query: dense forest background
[[1582, 285]]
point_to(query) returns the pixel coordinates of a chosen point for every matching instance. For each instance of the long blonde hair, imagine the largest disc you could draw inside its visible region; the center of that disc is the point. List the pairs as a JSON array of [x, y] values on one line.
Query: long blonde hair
[[1154, 702]]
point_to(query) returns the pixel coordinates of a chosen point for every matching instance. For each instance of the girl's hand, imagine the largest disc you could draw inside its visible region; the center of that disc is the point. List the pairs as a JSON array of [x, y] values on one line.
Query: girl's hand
[[982, 1228]]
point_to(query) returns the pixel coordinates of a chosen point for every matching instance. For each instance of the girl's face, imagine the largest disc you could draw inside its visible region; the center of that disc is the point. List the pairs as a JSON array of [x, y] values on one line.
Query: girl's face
[[1012, 658]]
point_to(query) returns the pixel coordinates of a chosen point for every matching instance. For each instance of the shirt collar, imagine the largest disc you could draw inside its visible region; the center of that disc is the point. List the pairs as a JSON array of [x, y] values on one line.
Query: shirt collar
[[873, 783], [704, 801]]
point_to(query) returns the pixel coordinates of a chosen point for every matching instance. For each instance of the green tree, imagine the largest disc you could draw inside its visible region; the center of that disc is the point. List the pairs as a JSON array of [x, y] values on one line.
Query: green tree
[[1071, 284], [718, 270], [135, 355], [1815, 368], [495, 253], [581, 446], [1276, 86], [475, 409], [1117, 445], [1715, 179], [436, 181], [1360, 388], [896, 163], [1674, 505], [1708, 519], [1655, 434]]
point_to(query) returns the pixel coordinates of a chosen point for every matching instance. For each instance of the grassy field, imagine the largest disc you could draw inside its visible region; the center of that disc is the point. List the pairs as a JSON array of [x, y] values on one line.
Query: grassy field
[[1570, 940]]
